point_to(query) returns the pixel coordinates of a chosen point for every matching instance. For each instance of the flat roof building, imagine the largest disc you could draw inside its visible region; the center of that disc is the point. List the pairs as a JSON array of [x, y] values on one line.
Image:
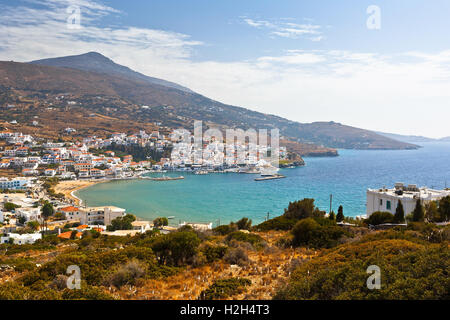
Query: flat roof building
[[385, 199]]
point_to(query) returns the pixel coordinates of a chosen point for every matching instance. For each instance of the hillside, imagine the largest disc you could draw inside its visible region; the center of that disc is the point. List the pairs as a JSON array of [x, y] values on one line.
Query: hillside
[[121, 93]]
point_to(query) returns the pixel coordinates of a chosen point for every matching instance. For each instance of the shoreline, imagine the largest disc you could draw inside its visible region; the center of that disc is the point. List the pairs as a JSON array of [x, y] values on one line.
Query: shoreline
[[69, 187]]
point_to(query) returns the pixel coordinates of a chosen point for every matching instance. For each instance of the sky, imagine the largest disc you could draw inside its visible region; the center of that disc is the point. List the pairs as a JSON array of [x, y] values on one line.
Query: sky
[[378, 65]]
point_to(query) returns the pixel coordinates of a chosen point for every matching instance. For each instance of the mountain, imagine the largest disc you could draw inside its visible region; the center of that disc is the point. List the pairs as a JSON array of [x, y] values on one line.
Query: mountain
[[120, 95], [96, 62], [412, 139], [407, 138]]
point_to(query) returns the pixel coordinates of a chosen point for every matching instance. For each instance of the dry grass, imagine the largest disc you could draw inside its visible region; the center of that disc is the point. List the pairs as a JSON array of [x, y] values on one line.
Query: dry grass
[[267, 270]]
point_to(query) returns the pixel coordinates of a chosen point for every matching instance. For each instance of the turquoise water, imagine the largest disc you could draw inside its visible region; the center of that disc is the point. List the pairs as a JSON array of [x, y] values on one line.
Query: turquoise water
[[229, 197]]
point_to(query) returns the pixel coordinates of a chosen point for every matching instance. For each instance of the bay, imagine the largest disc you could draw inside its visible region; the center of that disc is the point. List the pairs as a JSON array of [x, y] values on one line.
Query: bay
[[229, 197]]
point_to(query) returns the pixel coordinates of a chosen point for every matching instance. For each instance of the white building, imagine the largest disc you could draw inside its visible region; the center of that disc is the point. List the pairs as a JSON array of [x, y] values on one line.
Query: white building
[[105, 215], [27, 238], [14, 184], [92, 215], [30, 214], [387, 199]]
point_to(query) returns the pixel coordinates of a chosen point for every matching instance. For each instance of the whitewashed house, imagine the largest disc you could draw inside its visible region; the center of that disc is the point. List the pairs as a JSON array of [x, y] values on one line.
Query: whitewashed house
[[27, 238], [385, 199]]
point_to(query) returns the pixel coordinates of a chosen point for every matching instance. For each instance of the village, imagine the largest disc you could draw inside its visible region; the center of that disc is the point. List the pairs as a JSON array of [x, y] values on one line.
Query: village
[[48, 172]]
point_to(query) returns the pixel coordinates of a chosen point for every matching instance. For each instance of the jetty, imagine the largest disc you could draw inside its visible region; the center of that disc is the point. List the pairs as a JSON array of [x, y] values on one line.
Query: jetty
[[274, 177], [167, 178]]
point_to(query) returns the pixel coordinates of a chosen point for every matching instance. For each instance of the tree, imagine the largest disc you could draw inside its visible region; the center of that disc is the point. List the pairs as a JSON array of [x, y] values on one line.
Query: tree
[[399, 216], [332, 216], [47, 211], [432, 212], [302, 209], [444, 208], [22, 220], [9, 206], [340, 215], [418, 213], [122, 223], [244, 224], [160, 222], [73, 235], [33, 225]]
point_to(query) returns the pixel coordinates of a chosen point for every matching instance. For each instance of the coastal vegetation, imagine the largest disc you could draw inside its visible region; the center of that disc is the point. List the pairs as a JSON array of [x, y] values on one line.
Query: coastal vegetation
[[313, 258], [122, 223], [225, 288]]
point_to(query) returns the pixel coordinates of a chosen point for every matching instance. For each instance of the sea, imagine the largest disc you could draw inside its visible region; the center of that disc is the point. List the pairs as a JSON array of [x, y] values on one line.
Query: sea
[[224, 197]]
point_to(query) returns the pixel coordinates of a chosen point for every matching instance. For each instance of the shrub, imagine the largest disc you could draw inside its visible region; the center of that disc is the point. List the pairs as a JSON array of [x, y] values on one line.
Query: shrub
[[380, 217], [176, 248], [86, 293], [236, 256], [127, 274], [213, 252], [278, 223], [409, 270], [310, 233], [225, 229], [254, 239], [225, 288]]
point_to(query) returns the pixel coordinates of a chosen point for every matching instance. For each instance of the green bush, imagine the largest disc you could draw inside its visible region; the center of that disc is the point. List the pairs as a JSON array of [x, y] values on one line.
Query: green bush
[[255, 240], [380, 217], [225, 229], [213, 252], [308, 232], [122, 223], [176, 248], [225, 288], [409, 271], [279, 223]]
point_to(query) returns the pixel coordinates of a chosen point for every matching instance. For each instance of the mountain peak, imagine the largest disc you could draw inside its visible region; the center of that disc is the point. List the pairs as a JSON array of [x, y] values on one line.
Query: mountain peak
[[96, 62], [92, 54]]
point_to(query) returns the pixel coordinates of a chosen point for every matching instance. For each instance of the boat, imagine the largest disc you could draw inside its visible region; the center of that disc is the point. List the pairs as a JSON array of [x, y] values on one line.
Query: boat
[[201, 172], [274, 177], [269, 171], [252, 170], [167, 178], [171, 217]]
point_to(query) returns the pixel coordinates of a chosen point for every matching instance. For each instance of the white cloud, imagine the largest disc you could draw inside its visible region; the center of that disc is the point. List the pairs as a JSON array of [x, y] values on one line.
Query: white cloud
[[405, 93], [288, 29]]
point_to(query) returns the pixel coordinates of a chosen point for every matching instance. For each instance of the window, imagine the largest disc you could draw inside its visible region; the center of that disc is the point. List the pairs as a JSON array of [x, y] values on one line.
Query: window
[[381, 202], [388, 205]]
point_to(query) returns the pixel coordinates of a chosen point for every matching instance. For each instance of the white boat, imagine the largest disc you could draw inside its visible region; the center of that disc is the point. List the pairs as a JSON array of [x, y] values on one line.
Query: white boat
[[269, 171], [201, 172]]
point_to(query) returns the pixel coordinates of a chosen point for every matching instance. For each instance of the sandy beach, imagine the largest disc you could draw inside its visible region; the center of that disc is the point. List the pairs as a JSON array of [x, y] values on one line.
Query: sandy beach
[[70, 186]]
